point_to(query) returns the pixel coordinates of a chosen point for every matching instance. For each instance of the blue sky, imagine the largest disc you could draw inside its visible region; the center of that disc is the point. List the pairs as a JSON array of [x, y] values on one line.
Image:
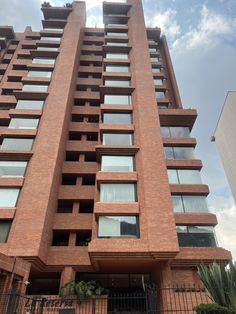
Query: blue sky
[[202, 41]]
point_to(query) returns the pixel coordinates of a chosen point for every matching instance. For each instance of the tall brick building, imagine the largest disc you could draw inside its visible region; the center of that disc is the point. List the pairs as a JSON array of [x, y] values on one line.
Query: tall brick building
[[98, 177]]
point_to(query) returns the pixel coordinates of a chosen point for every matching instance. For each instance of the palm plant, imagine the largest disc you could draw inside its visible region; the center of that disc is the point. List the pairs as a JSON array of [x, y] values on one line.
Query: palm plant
[[220, 282]]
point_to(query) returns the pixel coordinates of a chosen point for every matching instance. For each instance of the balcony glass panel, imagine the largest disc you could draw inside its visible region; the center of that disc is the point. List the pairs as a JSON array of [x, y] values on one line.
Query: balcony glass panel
[[118, 192], [189, 204], [117, 163], [175, 131], [118, 226], [26, 123], [117, 99], [5, 226], [8, 197], [179, 152], [29, 104], [182, 176], [35, 88], [117, 139], [117, 83], [43, 60], [160, 95], [17, 144], [12, 168], [197, 236], [39, 73], [117, 118], [158, 81]]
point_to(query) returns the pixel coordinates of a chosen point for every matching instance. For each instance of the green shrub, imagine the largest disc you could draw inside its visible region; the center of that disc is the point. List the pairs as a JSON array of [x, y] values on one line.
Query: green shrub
[[211, 309]]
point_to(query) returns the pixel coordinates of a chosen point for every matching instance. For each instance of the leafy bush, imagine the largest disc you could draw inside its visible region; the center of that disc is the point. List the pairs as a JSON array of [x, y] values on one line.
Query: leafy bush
[[211, 309]]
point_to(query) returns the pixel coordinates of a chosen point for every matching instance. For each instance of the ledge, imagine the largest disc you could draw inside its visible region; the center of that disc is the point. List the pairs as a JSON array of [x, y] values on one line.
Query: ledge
[[115, 150], [30, 95], [116, 108], [189, 189], [183, 164], [187, 141], [113, 177], [199, 219], [175, 117], [131, 208], [15, 155], [116, 128]]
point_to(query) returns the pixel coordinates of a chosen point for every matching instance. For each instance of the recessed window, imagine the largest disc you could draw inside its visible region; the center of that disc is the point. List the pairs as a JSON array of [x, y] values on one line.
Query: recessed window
[[68, 179], [43, 60], [35, 88], [116, 55], [183, 176], [117, 34], [179, 152], [53, 29], [90, 157], [196, 236], [117, 99], [29, 104], [47, 49], [189, 204], [20, 123], [156, 69], [154, 59], [65, 206], [175, 131], [17, 144], [88, 180], [50, 38], [39, 73], [118, 226], [117, 118], [75, 136], [72, 156], [117, 139], [8, 197], [158, 81], [160, 95], [60, 238], [117, 68], [83, 237], [115, 43], [117, 83], [117, 163], [86, 206], [12, 168], [5, 226], [118, 192]]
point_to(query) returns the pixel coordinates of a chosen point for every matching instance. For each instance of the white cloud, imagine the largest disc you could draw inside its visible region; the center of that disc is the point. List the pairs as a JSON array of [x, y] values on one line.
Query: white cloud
[[166, 21], [208, 32]]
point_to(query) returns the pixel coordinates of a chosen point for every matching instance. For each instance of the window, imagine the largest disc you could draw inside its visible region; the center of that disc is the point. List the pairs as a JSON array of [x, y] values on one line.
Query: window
[[17, 144], [118, 226], [182, 176], [8, 197], [60, 238], [119, 44], [189, 204], [29, 104], [65, 206], [117, 99], [117, 82], [50, 38], [179, 152], [160, 95], [86, 206], [83, 238], [12, 168], [39, 73], [158, 81], [152, 49], [47, 48], [156, 69], [35, 88], [116, 55], [117, 68], [117, 34], [154, 59], [5, 226], [53, 29], [117, 118], [117, 163], [175, 131], [43, 60], [196, 236], [117, 139], [118, 192], [18, 123]]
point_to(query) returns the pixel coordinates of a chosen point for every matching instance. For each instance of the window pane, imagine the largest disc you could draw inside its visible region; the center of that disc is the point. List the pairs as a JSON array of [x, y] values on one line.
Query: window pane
[[114, 55], [12, 168], [165, 131], [156, 70], [23, 123], [116, 34], [53, 29], [179, 131], [169, 154], [183, 153], [198, 236], [50, 38], [118, 192], [172, 176], [35, 88], [118, 226], [154, 59], [44, 60], [5, 226], [177, 204], [117, 163], [111, 43], [39, 73], [8, 197], [116, 68], [120, 83], [201, 229], [117, 99], [47, 48], [160, 95], [29, 104], [158, 81], [117, 118], [17, 144], [195, 204], [189, 176], [117, 139]]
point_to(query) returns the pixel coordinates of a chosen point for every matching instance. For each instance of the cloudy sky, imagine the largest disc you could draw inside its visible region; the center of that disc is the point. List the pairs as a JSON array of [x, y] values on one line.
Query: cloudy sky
[[202, 40]]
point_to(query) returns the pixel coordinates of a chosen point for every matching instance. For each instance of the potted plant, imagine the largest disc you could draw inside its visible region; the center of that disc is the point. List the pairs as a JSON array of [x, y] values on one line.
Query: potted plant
[[46, 4]]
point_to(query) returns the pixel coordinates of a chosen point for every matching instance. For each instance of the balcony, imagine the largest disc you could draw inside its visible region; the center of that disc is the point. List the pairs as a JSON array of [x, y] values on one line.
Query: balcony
[[175, 117]]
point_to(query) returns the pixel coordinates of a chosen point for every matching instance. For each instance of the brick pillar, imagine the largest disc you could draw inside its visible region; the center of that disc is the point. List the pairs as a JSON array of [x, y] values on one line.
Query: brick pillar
[[166, 297], [67, 275]]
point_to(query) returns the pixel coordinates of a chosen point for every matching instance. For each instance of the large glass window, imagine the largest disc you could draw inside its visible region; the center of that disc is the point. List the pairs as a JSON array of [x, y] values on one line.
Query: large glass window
[[29, 104], [117, 139], [156, 70], [184, 176], [119, 44], [53, 29], [50, 38], [117, 82], [189, 204], [175, 131], [12, 168], [8, 197], [118, 226], [117, 34], [116, 55], [117, 163], [179, 152], [160, 95], [26, 123], [39, 73], [158, 81], [118, 192], [17, 144], [117, 99], [43, 60], [5, 226], [117, 118], [35, 88], [47, 48], [196, 236], [117, 68]]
